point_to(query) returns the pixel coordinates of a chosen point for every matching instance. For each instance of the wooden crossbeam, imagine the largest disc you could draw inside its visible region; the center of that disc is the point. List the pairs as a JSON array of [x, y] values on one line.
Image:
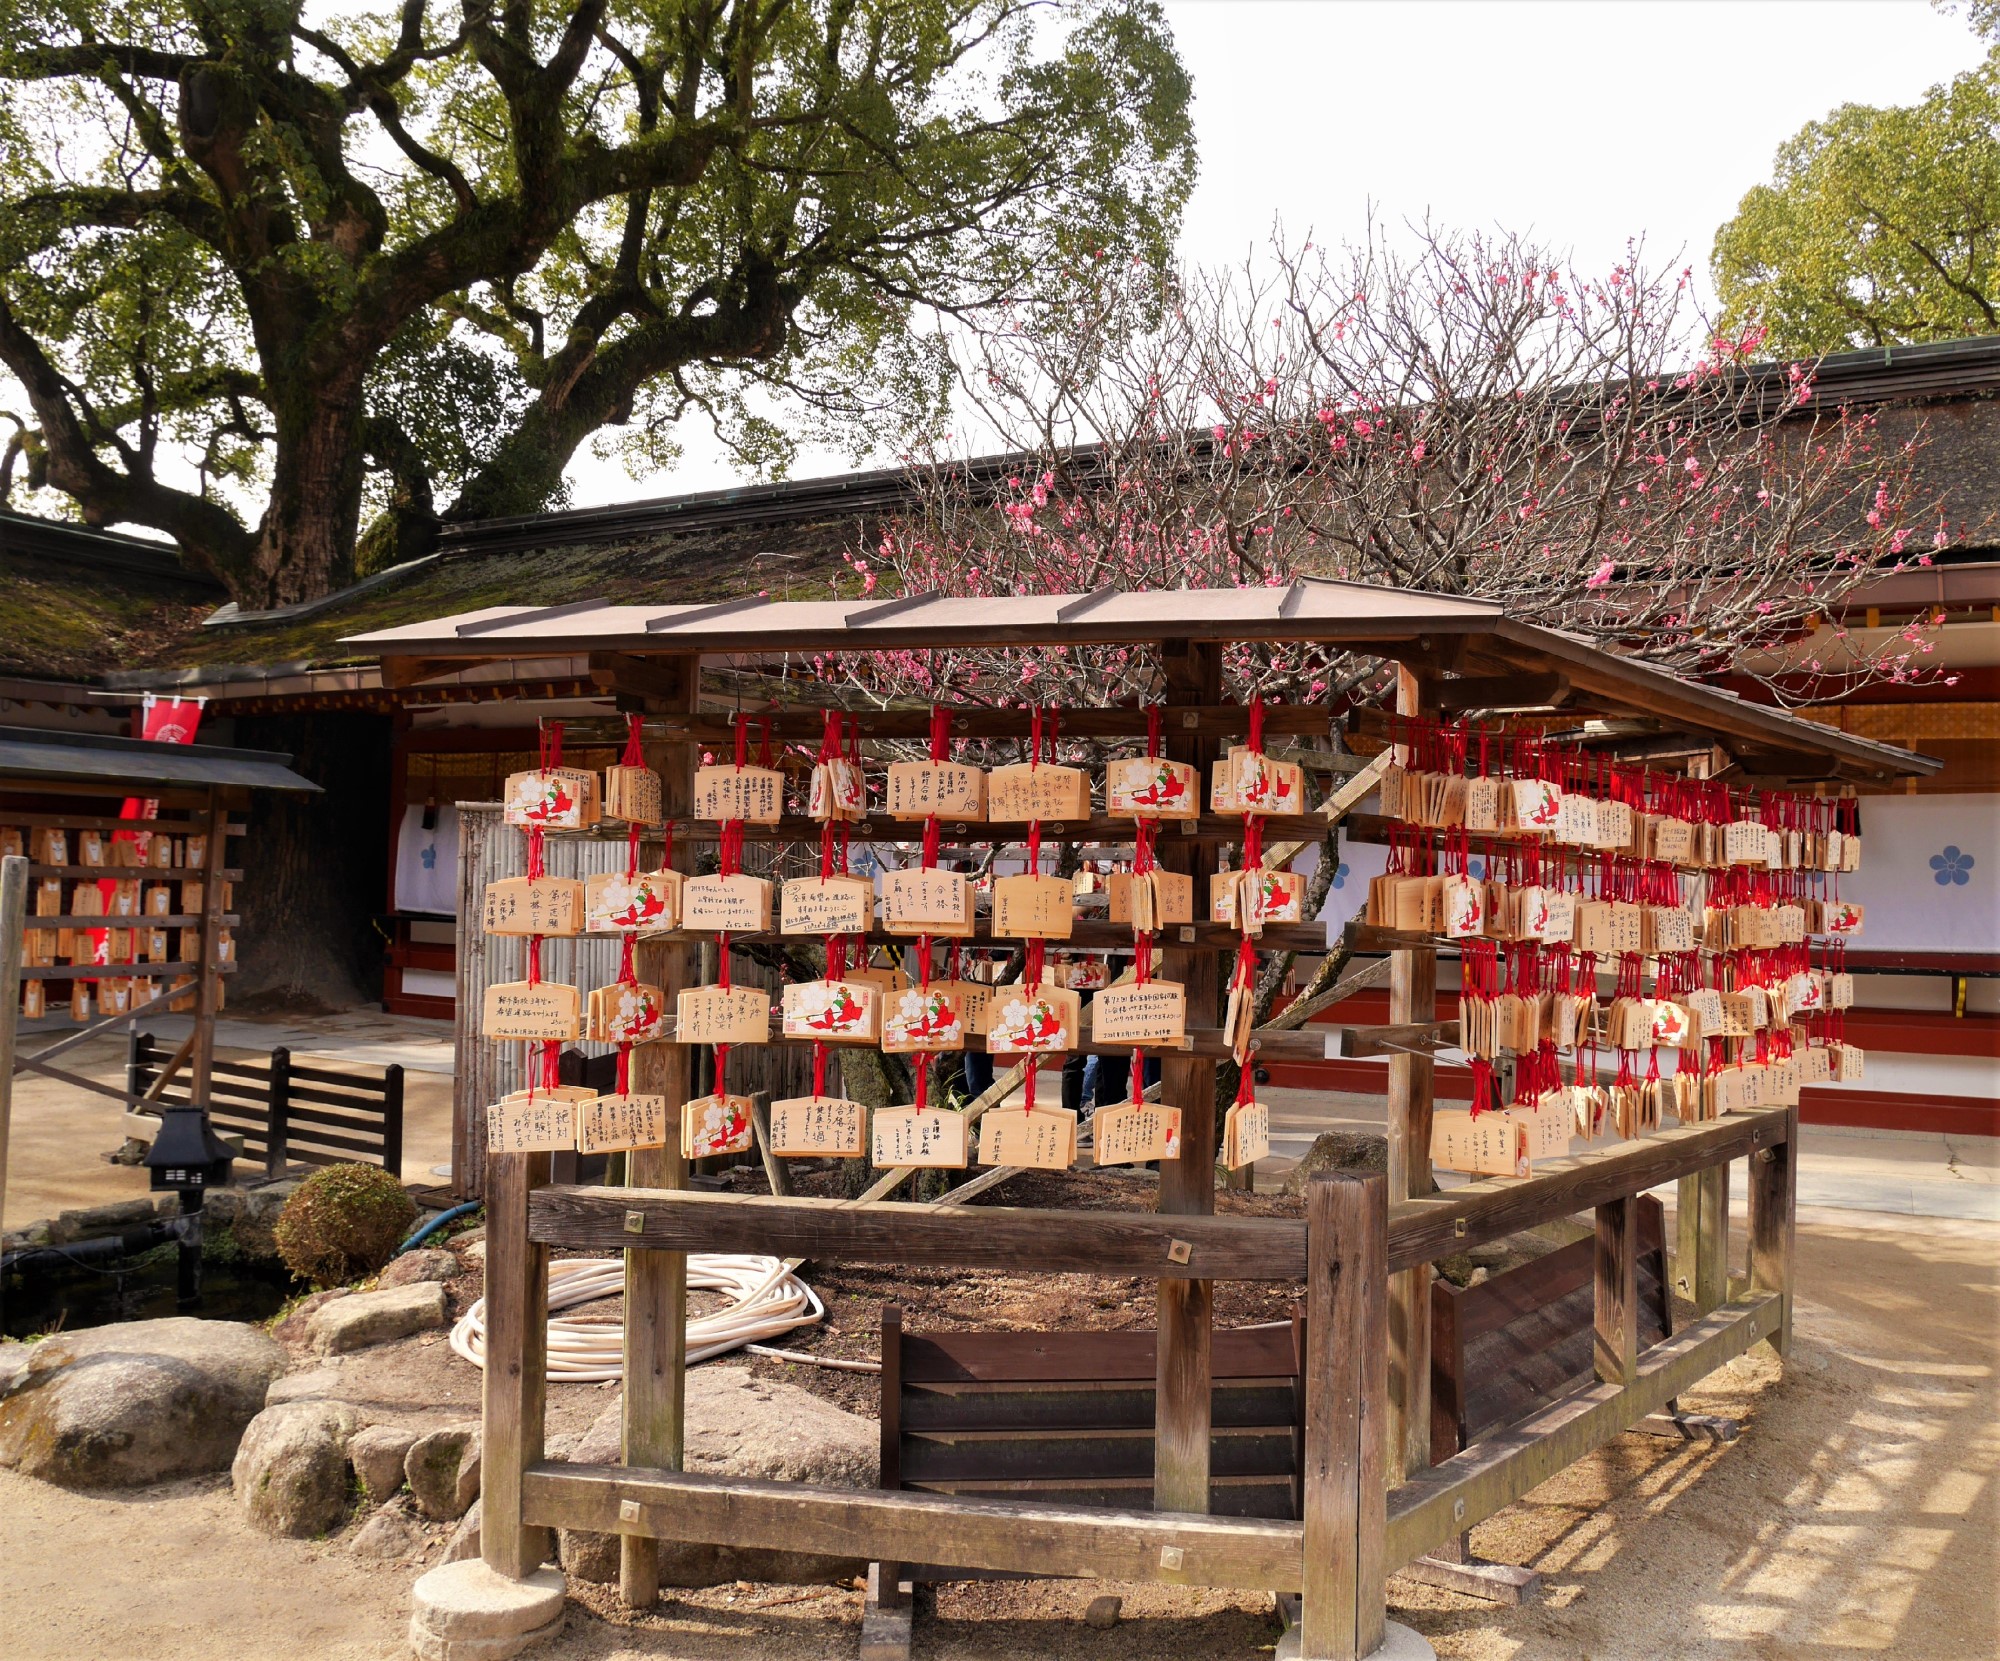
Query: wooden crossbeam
[[1021, 1537]]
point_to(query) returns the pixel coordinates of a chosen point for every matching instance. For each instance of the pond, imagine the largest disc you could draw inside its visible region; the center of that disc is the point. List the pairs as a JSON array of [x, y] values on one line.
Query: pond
[[48, 1292]]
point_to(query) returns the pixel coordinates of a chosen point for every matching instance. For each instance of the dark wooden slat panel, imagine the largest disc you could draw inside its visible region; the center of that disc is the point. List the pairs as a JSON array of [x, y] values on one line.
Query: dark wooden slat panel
[[367, 1121], [1423, 1230], [330, 1075], [364, 1100], [1081, 1455], [993, 1357], [995, 1237], [1524, 1289], [902, 1527], [1077, 1407], [1238, 1497], [300, 1138]]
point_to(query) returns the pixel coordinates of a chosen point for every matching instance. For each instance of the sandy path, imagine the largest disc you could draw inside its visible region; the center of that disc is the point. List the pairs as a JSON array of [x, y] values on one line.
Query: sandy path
[[1856, 1516]]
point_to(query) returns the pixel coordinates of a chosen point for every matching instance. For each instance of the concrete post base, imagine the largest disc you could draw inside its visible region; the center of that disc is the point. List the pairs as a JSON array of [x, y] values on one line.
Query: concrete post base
[[1399, 1643], [466, 1611]]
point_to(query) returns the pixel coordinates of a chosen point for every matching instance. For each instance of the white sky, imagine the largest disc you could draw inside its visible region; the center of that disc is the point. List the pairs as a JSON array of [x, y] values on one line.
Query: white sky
[[1586, 123]]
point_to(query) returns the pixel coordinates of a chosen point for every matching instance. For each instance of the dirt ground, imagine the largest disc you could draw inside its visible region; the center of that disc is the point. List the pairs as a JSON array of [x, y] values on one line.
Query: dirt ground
[[1856, 1515]]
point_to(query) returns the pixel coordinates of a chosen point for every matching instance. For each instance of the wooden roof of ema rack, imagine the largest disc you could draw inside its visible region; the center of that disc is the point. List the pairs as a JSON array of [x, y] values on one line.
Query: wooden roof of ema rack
[[1449, 637]]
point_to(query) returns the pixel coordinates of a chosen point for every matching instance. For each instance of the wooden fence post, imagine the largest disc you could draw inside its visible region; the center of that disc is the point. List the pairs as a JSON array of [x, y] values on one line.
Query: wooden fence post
[[13, 931], [278, 1114], [516, 1387], [1345, 1510], [1701, 1229], [1615, 1347], [654, 1429], [1773, 1221], [392, 1120]]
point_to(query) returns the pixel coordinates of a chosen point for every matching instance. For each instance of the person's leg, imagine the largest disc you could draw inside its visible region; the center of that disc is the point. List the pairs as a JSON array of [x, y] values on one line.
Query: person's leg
[[978, 1066], [1072, 1084]]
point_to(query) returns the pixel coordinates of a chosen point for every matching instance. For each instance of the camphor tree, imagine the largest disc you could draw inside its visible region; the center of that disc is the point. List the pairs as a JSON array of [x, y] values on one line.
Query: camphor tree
[[268, 270], [1879, 226]]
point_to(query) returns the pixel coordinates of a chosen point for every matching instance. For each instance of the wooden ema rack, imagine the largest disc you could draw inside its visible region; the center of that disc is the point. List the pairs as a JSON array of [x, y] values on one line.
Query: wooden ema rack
[[1372, 1502]]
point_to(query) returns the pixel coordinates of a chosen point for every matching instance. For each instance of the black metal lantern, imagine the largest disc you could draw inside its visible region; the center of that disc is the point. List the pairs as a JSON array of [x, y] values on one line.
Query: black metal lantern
[[187, 1155]]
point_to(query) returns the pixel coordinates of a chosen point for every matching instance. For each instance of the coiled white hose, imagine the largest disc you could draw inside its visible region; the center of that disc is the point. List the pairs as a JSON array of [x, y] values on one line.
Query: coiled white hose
[[767, 1300]]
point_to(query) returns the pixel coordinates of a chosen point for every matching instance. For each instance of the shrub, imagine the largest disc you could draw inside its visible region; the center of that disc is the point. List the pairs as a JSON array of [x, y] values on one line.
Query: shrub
[[343, 1222]]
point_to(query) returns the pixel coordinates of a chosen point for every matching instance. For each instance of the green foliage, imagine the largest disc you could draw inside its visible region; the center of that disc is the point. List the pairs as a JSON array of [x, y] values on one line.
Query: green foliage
[[343, 1222], [270, 272], [1879, 226]]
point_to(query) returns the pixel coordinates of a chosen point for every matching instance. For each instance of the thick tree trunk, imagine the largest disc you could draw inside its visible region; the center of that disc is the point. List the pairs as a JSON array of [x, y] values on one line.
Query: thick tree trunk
[[305, 546]]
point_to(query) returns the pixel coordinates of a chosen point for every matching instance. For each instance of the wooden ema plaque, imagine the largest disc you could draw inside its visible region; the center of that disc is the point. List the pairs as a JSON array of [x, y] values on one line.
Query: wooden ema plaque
[[1132, 1133], [1156, 900], [1246, 1135], [607, 1124], [712, 1125], [928, 902], [1251, 782], [933, 1138], [548, 1009], [542, 1124], [1040, 1139], [1034, 907], [972, 999], [936, 789], [627, 1012], [1489, 1144], [1017, 794], [722, 1015], [1250, 899], [643, 903], [1043, 1022], [753, 794], [533, 905], [729, 905], [923, 1019], [1531, 805], [563, 798], [818, 1127], [887, 982], [838, 1011], [1152, 789], [838, 791], [826, 905], [633, 794], [1155, 1013]]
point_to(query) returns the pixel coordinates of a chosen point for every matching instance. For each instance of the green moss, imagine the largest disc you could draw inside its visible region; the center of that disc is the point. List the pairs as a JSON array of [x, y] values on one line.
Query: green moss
[[343, 1222]]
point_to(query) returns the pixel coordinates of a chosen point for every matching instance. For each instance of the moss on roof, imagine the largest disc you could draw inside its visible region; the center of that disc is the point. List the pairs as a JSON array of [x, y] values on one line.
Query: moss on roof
[[792, 561], [76, 621]]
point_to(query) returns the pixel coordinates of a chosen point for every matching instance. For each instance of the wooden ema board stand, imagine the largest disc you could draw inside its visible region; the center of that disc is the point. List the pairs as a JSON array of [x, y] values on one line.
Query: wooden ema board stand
[[1352, 1529]]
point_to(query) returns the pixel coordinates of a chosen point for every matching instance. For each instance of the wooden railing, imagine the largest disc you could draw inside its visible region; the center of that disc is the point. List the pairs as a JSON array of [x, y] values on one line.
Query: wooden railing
[[1355, 1528]]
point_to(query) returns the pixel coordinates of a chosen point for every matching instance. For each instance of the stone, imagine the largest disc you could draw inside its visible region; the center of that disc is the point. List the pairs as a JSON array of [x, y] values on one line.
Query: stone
[[366, 1318], [469, 1600], [464, 1541], [1399, 1643], [475, 1252], [739, 1425], [428, 1646], [391, 1534], [425, 1263], [377, 1455], [290, 1474], [257, 1221], [69, 1226], [1339, 1150], [296, 1327], [319, 1384], [1103, 1612], [442, 1469], [139, 1402]]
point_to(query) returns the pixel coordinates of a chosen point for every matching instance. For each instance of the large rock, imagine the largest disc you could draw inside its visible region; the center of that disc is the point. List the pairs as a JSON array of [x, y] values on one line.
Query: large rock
[[377, 1455], [740, 1425], [390, 1534], [1339, 1150], [378, 1317], [442, 1469], [425, 1263], [290, 1474], [118, 1406]]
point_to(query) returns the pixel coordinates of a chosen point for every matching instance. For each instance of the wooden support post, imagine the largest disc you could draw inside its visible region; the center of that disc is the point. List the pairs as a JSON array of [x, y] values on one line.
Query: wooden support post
[[13, 925], [208, 973], [1701, 1227], [885, 1622], [516, 1383], [656, 1281], [1773, 1222], [1615, 1348], [1412, 997], [1187, 1184], [1341, 1616], [277, 1125]]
